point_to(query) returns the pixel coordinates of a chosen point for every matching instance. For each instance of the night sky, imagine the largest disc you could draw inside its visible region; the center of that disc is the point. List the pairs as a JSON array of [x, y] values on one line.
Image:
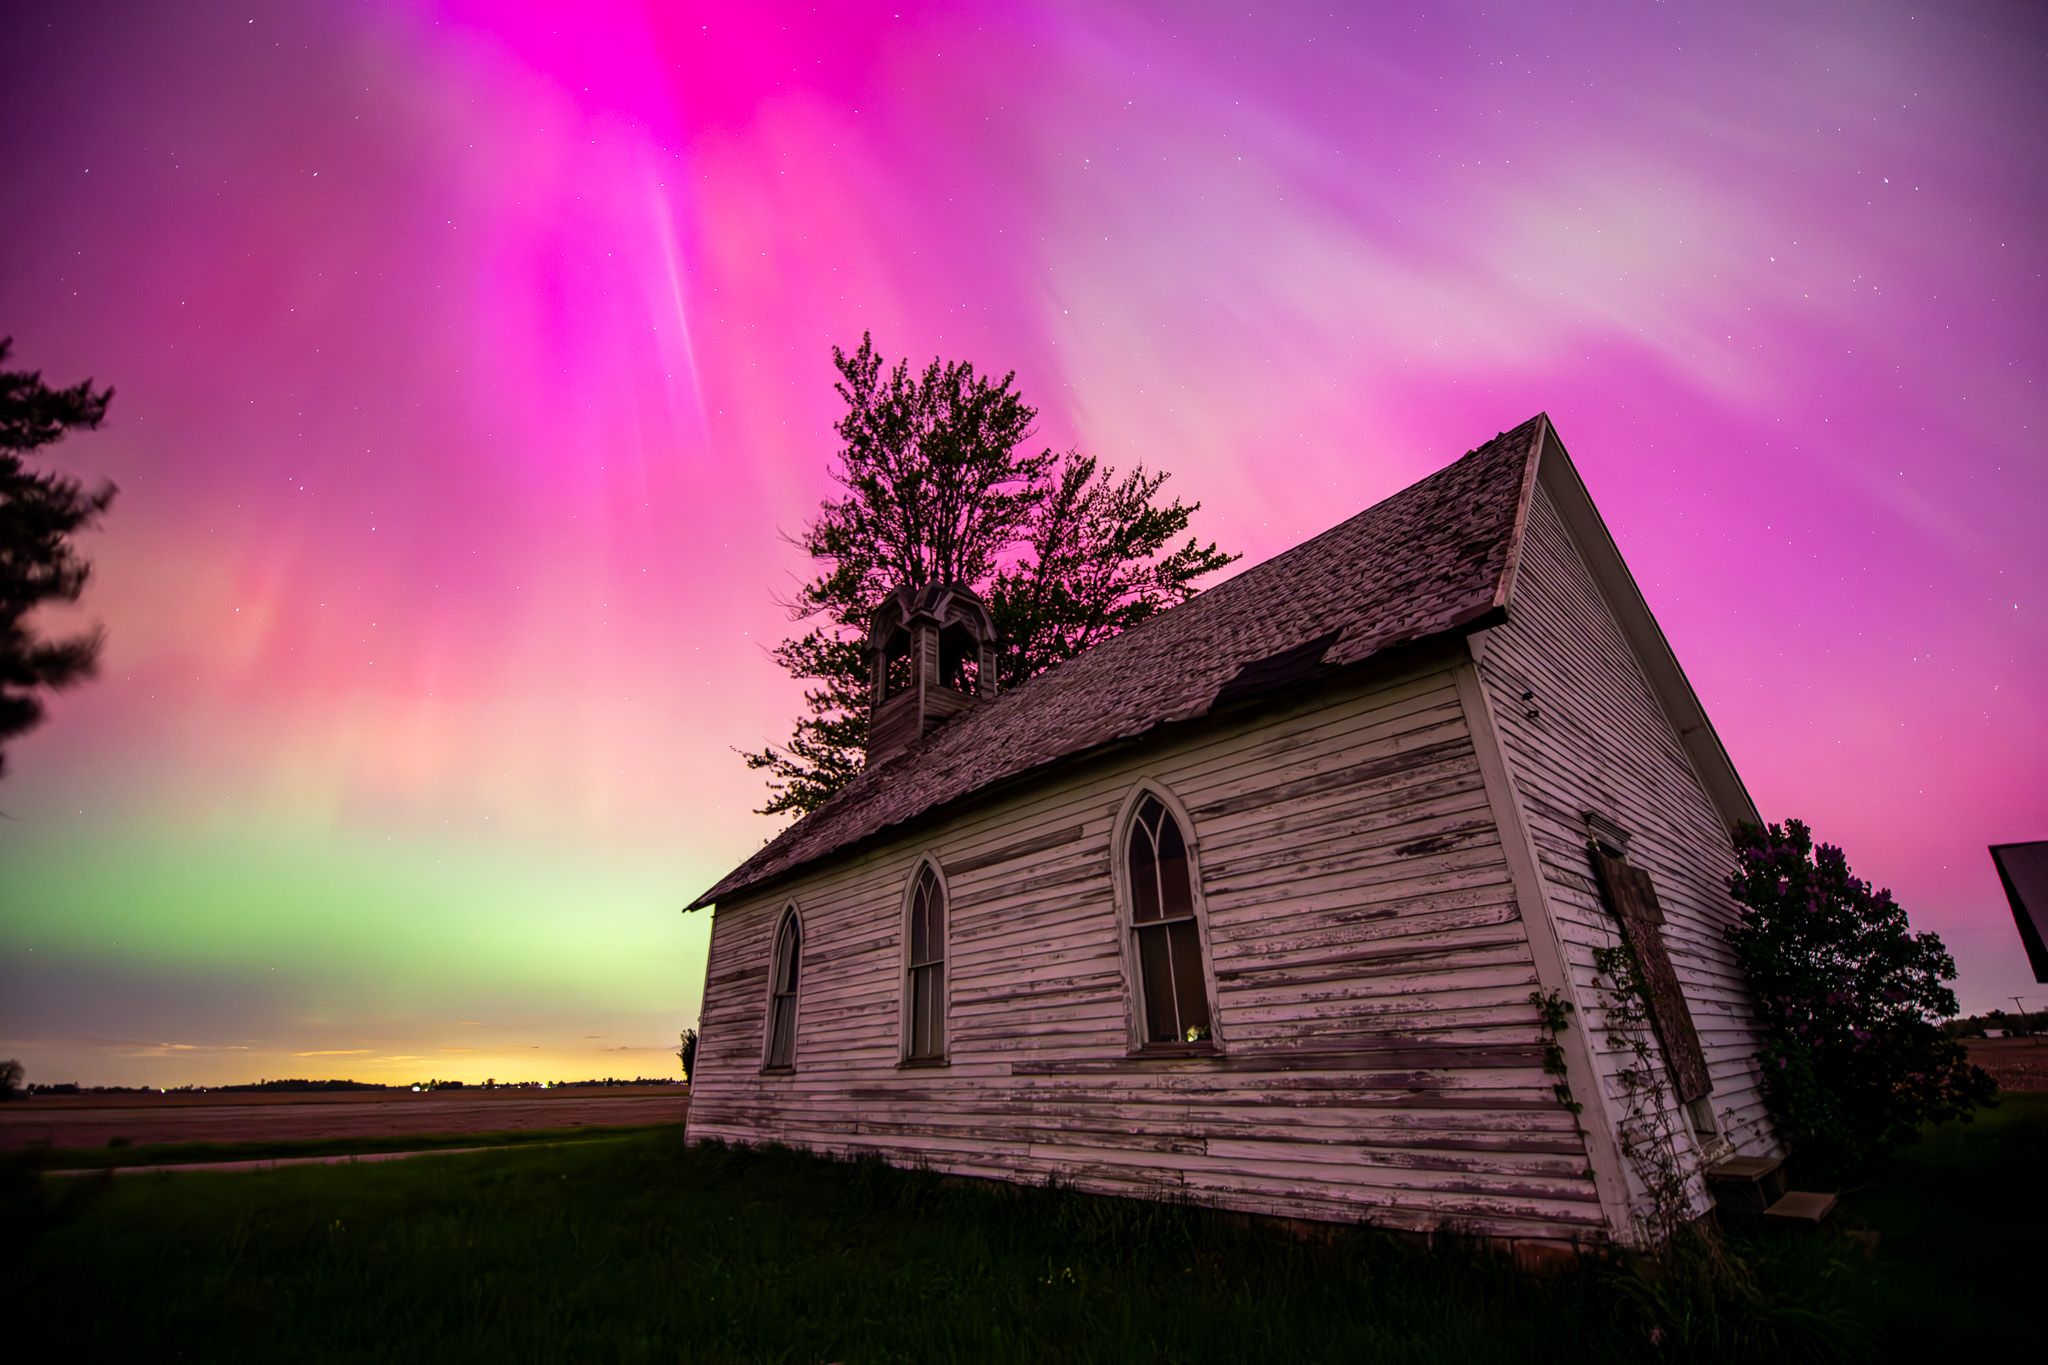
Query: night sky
[[472, 360]]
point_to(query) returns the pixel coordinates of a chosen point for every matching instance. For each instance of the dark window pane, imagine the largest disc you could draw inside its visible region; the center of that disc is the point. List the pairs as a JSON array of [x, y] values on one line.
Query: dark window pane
[[787, 950], [920, 925], [931, 1011], [782, 1037], [917, 1011], [787, 956], [782, 1005], [921, 1015], [928, 1011], [915, 985], [1155, 971], [926, 987], [1191, 993], [1144, 877], [1176, 897]]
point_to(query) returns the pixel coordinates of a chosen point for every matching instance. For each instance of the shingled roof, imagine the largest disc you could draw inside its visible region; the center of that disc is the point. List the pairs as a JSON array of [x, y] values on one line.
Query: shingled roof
[[1433, 559]]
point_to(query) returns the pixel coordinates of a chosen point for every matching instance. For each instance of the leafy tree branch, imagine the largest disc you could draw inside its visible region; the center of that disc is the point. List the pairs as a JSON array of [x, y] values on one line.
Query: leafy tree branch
[[941, 485]]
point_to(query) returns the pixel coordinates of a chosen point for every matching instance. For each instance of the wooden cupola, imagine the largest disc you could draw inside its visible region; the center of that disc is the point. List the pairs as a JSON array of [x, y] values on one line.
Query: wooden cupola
[[931, 654]]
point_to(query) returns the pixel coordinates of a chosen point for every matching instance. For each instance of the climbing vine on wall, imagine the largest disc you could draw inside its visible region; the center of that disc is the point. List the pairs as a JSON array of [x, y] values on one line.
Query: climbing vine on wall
[[1647, 1133], [1554, 1015]]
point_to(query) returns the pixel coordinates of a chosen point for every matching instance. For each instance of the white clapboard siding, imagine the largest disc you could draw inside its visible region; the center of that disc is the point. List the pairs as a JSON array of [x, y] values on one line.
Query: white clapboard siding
[[1378, 1054], [1601, 741]]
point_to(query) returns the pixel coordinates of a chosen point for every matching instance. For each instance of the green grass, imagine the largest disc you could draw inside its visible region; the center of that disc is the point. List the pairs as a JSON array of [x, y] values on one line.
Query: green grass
[[1962, 1228], [187, 1153], [644, 1250]]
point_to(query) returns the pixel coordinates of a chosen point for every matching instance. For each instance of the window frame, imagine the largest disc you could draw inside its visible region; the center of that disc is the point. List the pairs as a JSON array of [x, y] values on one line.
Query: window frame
[[1127, 928], [926, 863], [791, 917]]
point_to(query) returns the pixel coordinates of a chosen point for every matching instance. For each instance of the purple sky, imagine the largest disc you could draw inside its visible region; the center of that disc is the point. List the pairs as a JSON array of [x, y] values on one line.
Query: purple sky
[[470, 359]]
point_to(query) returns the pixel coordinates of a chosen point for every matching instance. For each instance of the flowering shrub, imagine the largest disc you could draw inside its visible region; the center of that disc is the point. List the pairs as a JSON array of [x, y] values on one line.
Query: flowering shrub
[[1854, 1059]]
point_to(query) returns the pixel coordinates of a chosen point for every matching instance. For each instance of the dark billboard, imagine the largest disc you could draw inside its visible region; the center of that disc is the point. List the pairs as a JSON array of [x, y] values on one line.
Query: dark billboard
[[2024, 870]]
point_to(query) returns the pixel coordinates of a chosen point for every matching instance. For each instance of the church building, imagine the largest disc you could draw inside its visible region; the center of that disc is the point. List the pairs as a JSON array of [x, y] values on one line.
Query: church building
[[1275, 901]]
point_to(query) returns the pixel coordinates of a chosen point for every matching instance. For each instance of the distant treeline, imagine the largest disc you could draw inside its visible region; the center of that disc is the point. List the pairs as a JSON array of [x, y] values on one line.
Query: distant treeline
[[304, 1085], [311, 1086], [73, 1088], [1998, 1023], [542, 1085]]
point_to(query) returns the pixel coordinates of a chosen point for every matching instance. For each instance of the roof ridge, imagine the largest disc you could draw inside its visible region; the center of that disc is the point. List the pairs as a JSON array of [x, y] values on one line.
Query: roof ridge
[[1263, 567]]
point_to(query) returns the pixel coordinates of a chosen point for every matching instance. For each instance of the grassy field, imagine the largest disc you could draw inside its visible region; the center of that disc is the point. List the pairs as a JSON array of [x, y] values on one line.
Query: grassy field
[[194, 1153], [135, 1118], [643, 1250]]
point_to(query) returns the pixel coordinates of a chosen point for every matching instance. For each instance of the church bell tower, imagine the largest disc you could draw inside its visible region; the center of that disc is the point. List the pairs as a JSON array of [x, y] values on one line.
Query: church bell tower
[[931, 654]]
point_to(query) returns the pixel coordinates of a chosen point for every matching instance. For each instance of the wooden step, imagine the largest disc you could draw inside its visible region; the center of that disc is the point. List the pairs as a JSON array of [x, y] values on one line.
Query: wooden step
[[1801, 1208], [1744, 1168], [1744, 1186]]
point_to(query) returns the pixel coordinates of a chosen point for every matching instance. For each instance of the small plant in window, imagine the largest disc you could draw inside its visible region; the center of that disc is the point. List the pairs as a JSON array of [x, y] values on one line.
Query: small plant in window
[[1167, 940]]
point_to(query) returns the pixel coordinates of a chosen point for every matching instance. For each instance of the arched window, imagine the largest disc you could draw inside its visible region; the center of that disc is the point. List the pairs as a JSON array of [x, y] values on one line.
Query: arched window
[[924, 986], [789, 952], [1166, 936]]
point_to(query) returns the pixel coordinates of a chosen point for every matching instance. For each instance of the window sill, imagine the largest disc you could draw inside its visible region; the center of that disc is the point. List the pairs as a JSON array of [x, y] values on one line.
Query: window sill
[[923, 1063], [1169, 1051], [778, 1071]]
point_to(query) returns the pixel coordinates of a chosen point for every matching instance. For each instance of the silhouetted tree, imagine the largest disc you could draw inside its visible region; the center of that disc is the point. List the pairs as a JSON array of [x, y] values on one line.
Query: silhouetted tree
[[1855, 1059], [11, 1076], [687, 1053], [941, 486], [40, 512]]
